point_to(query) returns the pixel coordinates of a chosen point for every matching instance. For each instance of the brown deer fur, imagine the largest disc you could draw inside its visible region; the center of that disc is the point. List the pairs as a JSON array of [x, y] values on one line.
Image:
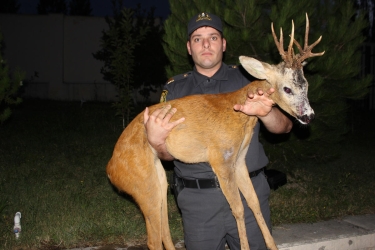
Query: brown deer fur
[[212, 132]]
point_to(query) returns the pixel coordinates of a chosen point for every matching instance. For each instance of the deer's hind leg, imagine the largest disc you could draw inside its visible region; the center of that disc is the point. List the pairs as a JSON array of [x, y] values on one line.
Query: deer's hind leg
[[138, 172], [247, 189], [155, 209], [166, 235]]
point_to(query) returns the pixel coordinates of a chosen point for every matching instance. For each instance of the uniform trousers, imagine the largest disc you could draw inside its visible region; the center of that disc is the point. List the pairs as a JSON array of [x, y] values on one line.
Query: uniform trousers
[[209, 223]]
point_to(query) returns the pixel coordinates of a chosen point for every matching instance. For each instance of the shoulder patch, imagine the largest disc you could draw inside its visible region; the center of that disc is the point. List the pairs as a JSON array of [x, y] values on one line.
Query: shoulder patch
[[163, 97]]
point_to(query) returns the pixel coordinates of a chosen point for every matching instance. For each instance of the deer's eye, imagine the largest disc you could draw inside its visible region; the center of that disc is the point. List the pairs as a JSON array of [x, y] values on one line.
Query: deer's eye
[[288, 90]]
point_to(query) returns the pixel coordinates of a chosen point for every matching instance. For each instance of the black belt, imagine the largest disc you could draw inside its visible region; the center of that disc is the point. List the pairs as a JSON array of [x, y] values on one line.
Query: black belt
[[210, 183]]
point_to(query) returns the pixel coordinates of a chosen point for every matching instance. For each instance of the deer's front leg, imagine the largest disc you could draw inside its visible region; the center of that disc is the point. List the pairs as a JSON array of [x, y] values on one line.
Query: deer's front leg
[[230, 190], [247, 189]]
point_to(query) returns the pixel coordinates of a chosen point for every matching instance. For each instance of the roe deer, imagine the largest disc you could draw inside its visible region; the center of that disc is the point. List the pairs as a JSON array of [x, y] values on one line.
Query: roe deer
[[135, 168]]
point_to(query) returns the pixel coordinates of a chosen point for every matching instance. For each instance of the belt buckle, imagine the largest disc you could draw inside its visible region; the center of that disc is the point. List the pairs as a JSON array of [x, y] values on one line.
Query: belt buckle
[[217, 184]]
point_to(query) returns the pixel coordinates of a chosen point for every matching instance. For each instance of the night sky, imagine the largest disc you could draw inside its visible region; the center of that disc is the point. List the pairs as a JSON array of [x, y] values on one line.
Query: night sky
[[104, 7]]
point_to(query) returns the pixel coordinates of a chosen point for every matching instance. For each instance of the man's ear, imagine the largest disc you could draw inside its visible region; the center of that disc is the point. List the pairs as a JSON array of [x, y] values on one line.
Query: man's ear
[[188, 47], [224, 44]]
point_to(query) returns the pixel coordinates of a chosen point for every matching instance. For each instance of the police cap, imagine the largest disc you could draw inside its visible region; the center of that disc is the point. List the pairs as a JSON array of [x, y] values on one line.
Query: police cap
[[204, 19]]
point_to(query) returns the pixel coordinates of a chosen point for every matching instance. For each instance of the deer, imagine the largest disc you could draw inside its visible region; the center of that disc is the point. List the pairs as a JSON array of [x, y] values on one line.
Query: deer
[[135, 169]]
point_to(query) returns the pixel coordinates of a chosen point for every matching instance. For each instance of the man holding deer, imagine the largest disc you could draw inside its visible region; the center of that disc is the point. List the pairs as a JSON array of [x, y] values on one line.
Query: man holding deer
[[207, 218]]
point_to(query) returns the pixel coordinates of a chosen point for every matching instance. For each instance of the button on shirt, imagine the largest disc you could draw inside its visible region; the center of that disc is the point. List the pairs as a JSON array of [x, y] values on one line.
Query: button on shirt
[[226, 79]]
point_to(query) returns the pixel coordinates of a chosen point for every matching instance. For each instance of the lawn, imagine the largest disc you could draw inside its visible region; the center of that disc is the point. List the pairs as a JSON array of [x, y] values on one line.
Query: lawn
[[52, 169]]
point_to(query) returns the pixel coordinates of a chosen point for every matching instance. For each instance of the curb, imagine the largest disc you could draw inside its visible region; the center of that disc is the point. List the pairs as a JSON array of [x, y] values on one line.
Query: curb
[[349, 233]]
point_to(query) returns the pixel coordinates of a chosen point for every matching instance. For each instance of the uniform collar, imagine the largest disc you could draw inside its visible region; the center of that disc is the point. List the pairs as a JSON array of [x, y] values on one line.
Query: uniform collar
[[220, 75]]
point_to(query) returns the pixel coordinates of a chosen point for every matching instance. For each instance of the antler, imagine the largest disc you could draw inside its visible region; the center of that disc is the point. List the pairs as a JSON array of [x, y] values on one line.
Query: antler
[[287, 56], [306, 51], [292, 60]]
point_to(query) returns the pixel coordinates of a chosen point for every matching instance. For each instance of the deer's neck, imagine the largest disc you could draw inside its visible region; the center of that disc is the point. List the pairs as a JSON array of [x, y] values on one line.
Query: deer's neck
[[252, 87]]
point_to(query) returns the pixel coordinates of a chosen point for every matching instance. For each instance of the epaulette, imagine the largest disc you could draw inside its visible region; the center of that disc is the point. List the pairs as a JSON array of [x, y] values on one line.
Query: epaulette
[[178, 77], [232, 66]]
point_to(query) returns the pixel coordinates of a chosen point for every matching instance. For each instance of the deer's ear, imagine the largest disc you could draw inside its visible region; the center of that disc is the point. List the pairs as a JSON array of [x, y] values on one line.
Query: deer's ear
[[254, 67]]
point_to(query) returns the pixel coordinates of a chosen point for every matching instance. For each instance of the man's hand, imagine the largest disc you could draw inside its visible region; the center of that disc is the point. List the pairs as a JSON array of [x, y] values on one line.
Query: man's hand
[[258, 104], [158, 127], [261, 105]]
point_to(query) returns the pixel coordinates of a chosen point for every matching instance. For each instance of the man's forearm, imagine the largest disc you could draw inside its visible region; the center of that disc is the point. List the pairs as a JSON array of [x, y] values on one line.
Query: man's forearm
[[276, 122]]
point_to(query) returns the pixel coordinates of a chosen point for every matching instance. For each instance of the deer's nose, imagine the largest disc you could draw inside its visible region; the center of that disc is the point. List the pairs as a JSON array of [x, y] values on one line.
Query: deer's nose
[[307, 118]]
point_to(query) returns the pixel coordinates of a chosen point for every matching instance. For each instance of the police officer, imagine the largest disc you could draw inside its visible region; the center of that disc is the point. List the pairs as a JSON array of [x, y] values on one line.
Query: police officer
[[207, 218]]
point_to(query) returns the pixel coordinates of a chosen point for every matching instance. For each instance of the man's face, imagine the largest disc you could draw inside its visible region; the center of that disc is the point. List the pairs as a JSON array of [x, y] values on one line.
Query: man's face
[[206, 47]]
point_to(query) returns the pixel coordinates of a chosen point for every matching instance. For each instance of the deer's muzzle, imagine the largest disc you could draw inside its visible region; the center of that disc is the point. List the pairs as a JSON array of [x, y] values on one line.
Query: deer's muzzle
[[306, 119]]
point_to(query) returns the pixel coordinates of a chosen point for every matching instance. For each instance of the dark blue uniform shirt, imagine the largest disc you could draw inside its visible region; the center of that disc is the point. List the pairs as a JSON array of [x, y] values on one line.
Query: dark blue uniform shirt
[[226, 79]]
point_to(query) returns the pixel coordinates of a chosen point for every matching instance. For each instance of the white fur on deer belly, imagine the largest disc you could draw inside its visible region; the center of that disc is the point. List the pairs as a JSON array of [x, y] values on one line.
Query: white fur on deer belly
[[228, 153]]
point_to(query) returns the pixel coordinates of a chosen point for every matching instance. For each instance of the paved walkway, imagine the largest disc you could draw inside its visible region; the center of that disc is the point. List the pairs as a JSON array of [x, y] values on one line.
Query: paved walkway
[[349, 233]]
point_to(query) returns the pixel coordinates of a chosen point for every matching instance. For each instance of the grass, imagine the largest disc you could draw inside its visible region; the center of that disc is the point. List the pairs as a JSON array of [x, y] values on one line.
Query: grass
[[52, 169], [324, 190]]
